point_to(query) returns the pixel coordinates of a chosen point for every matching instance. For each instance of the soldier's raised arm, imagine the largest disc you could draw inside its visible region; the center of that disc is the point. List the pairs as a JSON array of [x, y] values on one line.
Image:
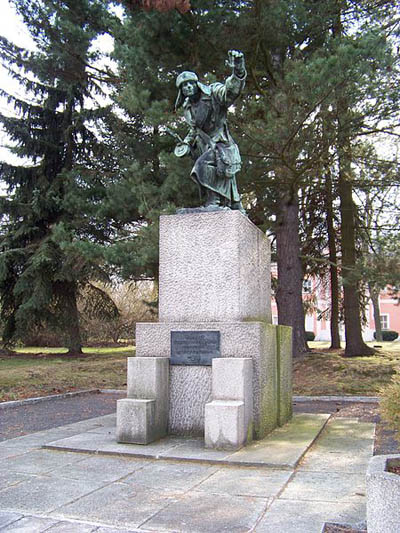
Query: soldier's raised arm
[[228, 92]]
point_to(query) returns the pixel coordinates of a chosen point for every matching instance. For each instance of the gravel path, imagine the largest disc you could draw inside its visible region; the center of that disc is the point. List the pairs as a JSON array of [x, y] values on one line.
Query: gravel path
[[29, 418]]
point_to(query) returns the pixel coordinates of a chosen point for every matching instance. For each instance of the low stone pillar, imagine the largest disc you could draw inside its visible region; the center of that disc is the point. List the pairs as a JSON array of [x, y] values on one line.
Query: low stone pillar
[[383, 494], [143, 416], [229, 416]]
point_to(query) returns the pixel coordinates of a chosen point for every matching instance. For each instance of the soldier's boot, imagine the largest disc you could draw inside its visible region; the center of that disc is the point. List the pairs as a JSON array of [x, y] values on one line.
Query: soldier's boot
[[213, 199], [239, 207]]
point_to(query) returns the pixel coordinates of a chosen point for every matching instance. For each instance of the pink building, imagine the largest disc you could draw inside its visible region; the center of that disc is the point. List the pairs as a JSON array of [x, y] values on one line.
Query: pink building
[[316, 296]]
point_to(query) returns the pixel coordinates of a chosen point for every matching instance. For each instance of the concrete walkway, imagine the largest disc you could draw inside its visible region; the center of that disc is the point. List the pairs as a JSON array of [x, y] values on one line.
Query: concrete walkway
[[310, 472]]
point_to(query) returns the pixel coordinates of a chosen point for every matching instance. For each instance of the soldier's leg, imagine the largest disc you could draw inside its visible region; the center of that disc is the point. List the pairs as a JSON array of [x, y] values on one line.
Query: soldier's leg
[[238, 206], [213, 199]]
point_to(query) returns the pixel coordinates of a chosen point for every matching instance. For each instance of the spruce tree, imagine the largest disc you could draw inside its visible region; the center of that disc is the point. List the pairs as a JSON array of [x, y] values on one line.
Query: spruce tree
[[52, 228]]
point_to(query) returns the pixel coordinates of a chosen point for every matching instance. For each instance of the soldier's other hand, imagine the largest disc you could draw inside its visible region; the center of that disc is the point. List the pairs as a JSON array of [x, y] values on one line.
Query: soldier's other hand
[[182, 149]]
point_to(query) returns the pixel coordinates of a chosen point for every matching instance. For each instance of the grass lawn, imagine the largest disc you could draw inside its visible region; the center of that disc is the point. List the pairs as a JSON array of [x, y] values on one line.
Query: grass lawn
[[325, 371], [42, 371]]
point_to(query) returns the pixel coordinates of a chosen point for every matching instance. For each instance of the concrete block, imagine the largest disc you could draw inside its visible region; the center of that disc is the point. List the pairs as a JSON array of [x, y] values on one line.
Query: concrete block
[[136, 421], [383, 495], [232, 379], [255, 340], [213, 267], [224, 426], [265, 384], [148, 379], [190, 390], [284, 373]]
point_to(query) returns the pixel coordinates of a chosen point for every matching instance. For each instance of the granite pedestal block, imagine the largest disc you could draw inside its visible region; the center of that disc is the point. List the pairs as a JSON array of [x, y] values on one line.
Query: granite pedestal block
[[224, 425], [229, 417], [214, 276], [190, 386], [284, 371], [143, 416], [136, 421], [383, 495], [213, 267]]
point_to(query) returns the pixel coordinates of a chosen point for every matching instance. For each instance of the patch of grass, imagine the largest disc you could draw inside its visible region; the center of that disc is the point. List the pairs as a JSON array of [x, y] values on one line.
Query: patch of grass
[[326, 372], [36, 372]]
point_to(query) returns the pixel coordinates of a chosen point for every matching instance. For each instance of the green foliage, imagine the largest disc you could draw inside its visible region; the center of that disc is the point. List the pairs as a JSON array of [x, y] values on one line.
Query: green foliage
[[310, 336], [388, 335], [390, 404], [51, 229]]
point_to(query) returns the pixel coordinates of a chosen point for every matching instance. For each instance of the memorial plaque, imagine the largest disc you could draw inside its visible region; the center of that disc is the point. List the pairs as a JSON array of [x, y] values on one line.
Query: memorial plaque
[[194, 347]]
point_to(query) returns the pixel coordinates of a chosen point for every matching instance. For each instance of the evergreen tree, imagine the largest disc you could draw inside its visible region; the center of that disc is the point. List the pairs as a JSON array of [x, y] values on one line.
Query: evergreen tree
[[52, 229], [151, 49], [314, 95], [286, 123]]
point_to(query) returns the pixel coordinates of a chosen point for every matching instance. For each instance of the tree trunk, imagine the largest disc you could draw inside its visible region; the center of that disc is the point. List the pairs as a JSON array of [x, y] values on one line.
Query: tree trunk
[[73, 334], [374, 294], [290, 276], [355, 346], [333, 269]]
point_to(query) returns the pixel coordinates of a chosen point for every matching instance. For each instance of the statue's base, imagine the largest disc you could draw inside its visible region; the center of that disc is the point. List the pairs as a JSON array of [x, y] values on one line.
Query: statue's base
[[202, 209]]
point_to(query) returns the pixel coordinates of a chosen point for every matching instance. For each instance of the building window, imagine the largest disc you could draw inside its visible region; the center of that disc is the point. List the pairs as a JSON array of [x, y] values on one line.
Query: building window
[[307, 286], [385, 321]]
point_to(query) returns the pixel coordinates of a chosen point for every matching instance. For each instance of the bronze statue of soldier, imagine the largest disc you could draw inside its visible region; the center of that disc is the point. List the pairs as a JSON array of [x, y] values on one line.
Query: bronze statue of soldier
[[216, 155]]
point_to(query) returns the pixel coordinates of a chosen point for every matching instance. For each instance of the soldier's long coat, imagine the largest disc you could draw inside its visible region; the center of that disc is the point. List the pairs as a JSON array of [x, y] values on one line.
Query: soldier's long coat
[[216, 155]]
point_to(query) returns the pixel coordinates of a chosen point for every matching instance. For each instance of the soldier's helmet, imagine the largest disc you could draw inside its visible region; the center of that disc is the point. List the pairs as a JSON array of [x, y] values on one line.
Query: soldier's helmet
[[186, 76]]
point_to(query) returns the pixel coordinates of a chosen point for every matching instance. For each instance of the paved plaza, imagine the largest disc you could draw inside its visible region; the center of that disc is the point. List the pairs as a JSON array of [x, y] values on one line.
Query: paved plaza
[[77, 478]]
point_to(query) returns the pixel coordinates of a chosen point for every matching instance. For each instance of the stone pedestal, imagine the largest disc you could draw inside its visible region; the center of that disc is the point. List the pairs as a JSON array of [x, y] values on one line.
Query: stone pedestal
[[142, 417], [214, 267], [215, 276], [229, 416]]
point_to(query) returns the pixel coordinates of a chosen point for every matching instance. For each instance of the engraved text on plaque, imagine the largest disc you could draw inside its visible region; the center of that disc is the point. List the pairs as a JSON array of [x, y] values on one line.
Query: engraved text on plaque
[[194, 347]]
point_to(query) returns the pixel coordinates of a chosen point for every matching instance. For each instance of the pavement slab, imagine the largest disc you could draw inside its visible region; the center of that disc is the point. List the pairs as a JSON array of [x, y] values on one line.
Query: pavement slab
[[302, 475], [285, 516], [6, 452], [247, 481], [118, 504], [165, 476], [41, 462], [42, 494], [7, 518], [99, 468], [29, 524], [199, 512], [326, 487], [9, 478], [344, 446], [105, 443], [71, 527], [283, 448]]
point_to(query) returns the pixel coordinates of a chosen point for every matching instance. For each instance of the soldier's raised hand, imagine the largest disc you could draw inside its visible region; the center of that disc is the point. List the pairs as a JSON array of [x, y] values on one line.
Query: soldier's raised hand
[[236, 62]]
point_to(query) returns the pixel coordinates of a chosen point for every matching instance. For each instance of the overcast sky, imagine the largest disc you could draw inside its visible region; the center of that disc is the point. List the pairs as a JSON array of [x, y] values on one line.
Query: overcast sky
[[11, 27]]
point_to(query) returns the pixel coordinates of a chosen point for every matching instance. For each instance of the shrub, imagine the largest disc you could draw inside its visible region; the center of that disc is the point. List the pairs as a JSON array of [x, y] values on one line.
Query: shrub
[[388, 335], [310, 336], [390, 404]]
